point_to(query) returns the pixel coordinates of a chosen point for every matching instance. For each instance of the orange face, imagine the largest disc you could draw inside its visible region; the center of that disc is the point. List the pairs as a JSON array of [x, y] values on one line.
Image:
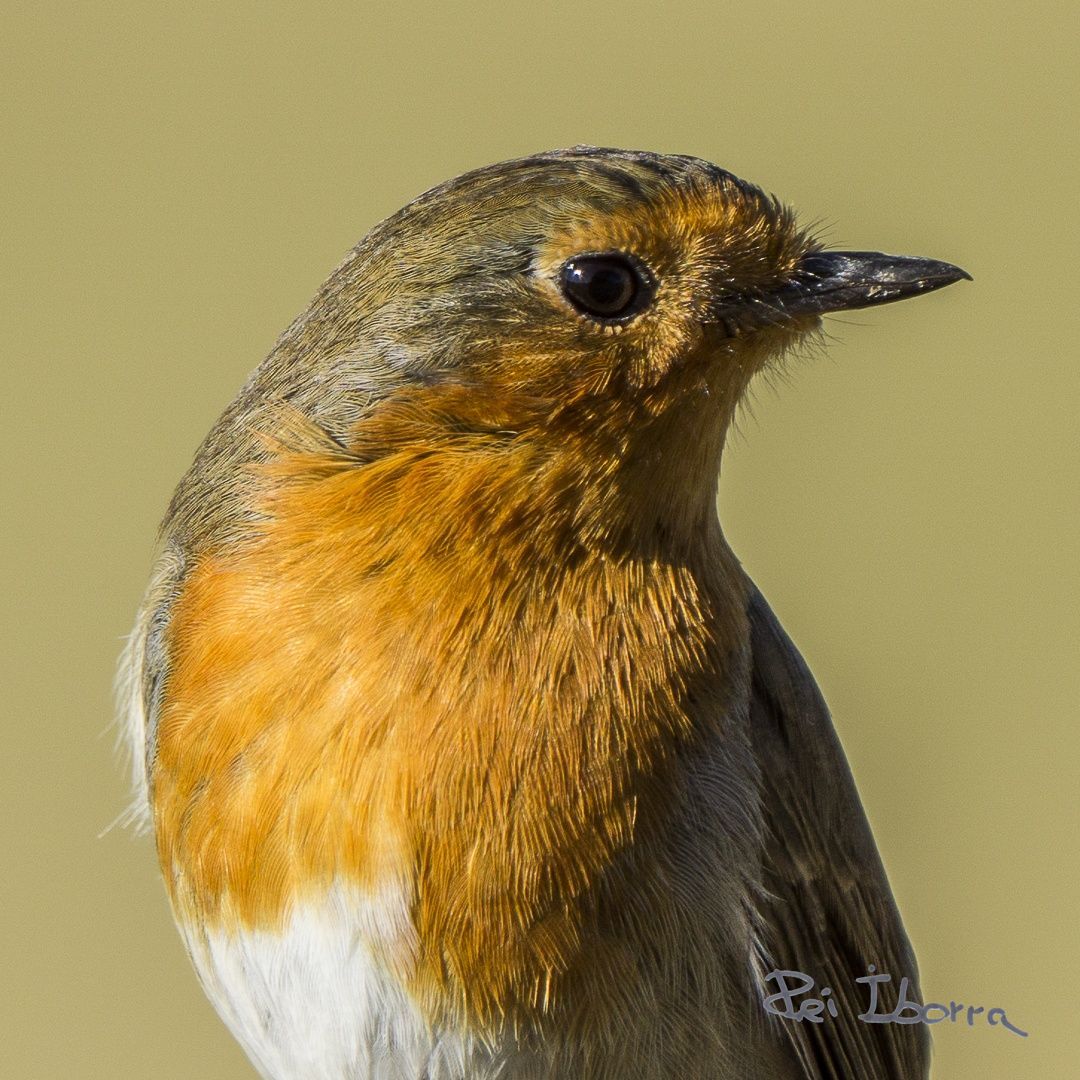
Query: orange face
[[689, 248]]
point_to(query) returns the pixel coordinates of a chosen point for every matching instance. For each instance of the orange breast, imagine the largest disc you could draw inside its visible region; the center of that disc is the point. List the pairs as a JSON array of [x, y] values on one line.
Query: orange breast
[[418, 666]]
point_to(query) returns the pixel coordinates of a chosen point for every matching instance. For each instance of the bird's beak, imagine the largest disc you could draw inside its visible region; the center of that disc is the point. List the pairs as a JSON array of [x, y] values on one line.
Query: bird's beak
[[842, 280], [826, 281]]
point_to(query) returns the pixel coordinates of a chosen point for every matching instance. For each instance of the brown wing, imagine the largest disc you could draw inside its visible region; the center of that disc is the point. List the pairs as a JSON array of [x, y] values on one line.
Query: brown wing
[[828, 911]]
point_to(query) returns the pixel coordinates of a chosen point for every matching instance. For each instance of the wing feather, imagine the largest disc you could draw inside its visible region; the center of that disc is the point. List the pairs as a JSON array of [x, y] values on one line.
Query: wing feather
[[828, 909]]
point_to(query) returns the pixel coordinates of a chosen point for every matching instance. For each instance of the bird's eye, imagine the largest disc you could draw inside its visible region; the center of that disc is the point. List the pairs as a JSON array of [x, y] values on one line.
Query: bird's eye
[[606, 287]]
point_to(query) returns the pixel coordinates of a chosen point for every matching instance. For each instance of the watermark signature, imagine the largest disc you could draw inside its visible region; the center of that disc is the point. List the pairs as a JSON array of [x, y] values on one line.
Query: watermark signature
[[792, 985]]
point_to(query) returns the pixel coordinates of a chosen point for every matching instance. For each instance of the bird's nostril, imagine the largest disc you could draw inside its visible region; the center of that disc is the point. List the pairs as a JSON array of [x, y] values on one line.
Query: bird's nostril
[[816, 265]]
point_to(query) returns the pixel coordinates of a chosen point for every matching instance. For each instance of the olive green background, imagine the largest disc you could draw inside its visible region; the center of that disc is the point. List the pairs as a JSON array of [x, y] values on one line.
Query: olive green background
[[179, 179]]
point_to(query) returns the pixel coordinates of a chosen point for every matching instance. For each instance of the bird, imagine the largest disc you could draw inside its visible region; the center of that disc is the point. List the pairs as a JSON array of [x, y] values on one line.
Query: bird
[[469, 748]]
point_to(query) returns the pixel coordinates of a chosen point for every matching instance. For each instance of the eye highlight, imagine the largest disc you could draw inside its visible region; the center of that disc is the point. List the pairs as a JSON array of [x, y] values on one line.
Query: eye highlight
[[609, 287]]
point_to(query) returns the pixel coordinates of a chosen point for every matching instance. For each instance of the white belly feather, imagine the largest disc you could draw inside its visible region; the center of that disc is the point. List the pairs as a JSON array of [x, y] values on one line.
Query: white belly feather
[[319, 1001]]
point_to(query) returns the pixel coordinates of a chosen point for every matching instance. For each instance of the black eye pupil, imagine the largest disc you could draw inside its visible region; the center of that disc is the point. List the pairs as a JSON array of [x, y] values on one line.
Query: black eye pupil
[[607, 288], [604, 286]]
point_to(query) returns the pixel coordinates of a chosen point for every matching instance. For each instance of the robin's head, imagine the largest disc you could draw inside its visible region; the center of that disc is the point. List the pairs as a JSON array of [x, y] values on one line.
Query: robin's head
[[585, 276], [583, 279], [619, 300]]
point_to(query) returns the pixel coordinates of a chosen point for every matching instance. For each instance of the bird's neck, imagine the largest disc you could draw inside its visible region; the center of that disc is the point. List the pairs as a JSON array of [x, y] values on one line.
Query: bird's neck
[[634, 473]]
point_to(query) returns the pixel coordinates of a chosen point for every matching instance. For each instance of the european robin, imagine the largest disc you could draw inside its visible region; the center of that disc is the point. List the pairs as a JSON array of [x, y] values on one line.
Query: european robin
[[469, 748]]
